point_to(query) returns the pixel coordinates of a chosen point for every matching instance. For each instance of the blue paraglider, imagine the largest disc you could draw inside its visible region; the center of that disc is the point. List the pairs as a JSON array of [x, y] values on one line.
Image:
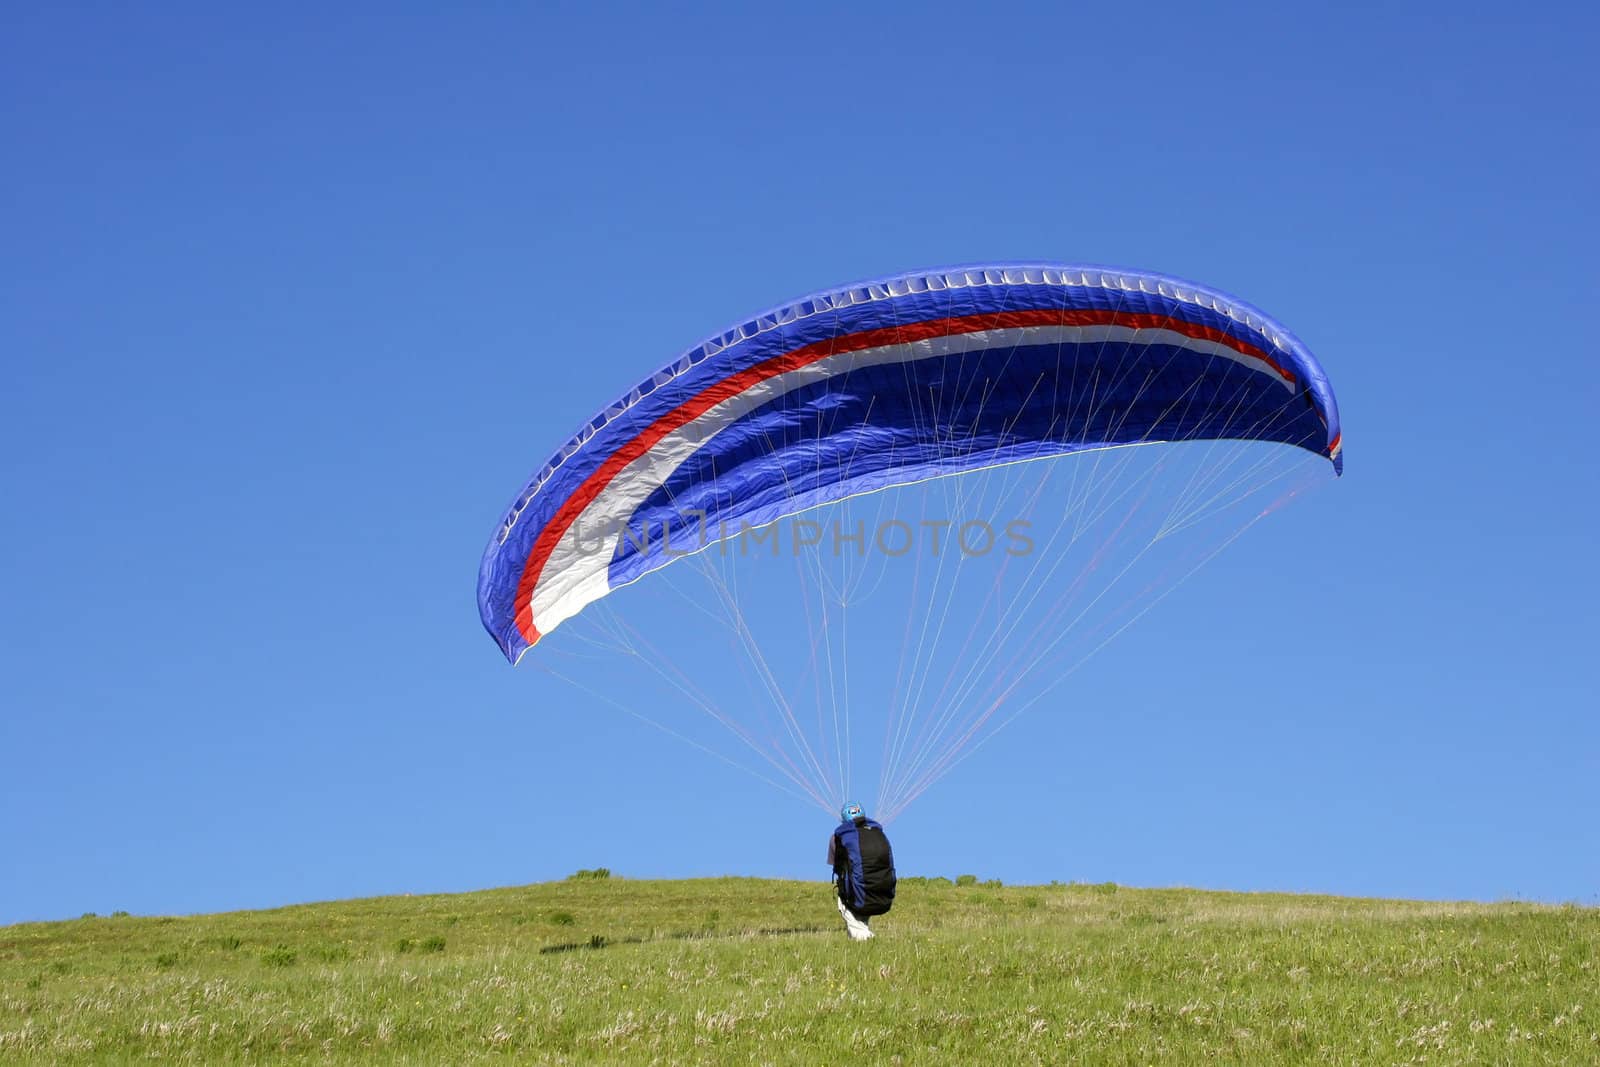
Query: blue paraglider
[[886, 383]]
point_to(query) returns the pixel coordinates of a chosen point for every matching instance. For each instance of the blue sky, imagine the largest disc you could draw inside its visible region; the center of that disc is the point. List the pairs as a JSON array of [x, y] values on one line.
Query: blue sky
[[294, 302]]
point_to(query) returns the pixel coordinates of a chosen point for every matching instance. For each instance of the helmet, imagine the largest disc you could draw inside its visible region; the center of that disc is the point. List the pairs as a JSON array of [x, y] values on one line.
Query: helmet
[[852, 811]]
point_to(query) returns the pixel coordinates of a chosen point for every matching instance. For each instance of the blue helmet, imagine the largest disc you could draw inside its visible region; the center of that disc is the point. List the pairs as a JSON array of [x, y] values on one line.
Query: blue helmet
[[852, 811]]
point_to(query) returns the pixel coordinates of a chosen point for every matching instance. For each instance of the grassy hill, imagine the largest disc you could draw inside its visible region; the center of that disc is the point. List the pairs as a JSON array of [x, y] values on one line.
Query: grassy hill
[[750, 971]]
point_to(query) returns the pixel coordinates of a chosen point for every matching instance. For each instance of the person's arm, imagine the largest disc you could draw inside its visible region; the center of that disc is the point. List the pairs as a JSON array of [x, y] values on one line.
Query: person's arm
[[831, 841]]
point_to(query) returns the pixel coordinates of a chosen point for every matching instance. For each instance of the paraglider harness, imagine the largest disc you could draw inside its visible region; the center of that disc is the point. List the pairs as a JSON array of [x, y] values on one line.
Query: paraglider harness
[[863, 867]]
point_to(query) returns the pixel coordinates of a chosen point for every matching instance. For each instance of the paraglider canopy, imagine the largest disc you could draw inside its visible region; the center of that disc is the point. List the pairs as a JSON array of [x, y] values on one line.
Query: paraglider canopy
[[887, 383]]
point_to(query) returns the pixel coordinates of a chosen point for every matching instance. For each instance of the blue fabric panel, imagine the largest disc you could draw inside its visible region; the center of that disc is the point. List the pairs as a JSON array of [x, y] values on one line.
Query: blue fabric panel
[[891, 424]]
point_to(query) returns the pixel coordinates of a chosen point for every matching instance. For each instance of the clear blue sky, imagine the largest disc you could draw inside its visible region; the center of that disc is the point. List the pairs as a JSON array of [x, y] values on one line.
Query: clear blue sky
[[292, 303]]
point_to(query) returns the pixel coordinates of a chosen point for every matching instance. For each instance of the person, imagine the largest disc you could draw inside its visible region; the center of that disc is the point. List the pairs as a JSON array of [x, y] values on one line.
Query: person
[[863, 870]]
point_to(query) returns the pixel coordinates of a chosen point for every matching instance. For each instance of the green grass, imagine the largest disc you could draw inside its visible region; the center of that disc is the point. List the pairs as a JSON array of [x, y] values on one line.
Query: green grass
[[607, 970]]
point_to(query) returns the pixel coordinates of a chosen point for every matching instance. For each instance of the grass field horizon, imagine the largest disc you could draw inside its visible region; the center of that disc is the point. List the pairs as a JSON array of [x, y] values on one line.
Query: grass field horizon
[[600, 969]]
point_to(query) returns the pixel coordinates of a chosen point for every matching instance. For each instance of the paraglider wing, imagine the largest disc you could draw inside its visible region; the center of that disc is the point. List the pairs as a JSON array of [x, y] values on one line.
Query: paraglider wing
[[881, 384]]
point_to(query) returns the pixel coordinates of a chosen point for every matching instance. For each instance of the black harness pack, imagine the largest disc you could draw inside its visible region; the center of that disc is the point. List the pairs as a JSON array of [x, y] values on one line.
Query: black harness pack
[[863, 865]]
